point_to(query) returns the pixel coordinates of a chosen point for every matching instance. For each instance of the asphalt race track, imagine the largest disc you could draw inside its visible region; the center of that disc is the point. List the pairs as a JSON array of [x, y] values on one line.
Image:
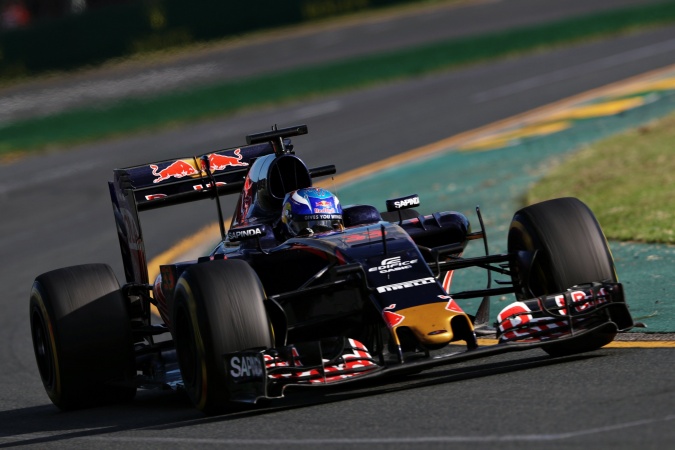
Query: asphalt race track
[[56, 212], [307, 45]]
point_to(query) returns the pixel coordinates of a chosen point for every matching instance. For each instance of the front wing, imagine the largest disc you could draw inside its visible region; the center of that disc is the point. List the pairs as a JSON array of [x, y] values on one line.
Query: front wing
[[568, 319]]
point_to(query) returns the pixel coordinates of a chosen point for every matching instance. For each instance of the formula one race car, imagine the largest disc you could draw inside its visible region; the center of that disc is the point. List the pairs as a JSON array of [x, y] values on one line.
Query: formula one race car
[[303, 291]]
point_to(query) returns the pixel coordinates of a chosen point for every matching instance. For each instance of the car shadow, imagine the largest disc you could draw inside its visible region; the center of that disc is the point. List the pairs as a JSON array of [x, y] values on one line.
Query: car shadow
[[160, 410]]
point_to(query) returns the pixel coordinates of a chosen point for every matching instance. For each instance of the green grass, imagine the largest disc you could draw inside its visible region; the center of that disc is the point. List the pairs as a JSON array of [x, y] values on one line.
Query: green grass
[[135, 115], [628, 181]]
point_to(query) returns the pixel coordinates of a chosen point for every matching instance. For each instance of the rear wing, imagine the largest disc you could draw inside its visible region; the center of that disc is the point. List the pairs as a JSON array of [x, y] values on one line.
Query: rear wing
[[187, 179], [175, 181]]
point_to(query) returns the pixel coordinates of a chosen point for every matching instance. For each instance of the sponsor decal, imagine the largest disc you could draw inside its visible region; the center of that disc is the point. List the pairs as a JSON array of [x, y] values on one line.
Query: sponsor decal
[[320, 217], [324, 207], [200, 187], [221, 162], [244, 367], [155, 196], [392, 265], [403, 202], [405, 285], [177, 169], [245, 233], [407, 203]]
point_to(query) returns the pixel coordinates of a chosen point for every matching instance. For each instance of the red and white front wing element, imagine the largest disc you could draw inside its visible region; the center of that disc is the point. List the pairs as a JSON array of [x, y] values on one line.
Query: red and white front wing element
[[549, 317], [355, 361]]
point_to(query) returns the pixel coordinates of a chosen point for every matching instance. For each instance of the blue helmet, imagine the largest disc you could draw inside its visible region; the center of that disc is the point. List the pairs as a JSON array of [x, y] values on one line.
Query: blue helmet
[[311, 210]]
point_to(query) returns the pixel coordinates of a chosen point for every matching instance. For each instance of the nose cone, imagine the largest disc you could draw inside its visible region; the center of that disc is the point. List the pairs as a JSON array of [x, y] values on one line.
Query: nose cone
[[433, 325]]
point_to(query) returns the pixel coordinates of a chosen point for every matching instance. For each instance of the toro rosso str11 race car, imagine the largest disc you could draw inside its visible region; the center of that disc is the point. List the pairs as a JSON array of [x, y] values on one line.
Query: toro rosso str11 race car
[[304, 291]]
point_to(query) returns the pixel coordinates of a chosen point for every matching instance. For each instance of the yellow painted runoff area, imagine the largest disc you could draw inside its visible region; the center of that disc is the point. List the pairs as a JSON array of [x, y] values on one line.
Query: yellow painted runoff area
[[555, 122], [502, 140], [606, 108]]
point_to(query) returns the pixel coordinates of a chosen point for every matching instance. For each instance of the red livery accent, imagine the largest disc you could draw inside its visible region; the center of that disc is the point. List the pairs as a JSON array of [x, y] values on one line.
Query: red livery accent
[[200, 187], [220, 162], [155, 196], [354, 361], [391, 318], [178, 169]]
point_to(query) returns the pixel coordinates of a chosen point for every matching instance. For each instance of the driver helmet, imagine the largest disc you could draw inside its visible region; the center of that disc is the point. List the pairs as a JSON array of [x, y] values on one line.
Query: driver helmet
[[311, 210]]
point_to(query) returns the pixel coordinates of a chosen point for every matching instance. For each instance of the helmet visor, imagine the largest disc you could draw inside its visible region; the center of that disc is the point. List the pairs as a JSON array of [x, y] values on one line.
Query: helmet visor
[[306, 227]]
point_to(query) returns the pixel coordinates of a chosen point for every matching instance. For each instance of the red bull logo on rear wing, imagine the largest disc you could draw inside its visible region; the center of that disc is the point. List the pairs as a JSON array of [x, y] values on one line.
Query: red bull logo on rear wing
[[196, 166], [168, 182], [177, 169]]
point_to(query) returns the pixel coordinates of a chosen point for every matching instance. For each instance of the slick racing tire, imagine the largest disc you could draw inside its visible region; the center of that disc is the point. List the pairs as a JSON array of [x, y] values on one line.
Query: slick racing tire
[[571, 249], [82, 337], [218, 308]]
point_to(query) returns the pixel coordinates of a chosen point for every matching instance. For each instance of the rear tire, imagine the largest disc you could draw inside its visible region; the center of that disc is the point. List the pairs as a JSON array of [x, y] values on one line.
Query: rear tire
[[82, 337], [218, 308], [571, 250]]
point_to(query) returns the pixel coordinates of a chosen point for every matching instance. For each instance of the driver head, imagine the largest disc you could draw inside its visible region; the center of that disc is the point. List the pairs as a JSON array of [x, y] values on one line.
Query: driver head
[[311, 210]]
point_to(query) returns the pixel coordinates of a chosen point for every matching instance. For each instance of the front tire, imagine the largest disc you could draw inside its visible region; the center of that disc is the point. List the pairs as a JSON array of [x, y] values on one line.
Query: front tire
[[571, 249], [82, 337], [218, 308]]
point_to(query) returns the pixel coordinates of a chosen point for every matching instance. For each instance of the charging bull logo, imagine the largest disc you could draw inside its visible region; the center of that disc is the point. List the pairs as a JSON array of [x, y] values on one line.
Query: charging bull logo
[[177, 169], [184, 168], [220, 162]]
